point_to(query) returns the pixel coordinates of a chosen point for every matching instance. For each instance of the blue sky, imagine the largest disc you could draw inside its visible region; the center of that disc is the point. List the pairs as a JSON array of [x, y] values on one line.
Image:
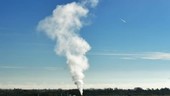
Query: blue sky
[[129, 40]]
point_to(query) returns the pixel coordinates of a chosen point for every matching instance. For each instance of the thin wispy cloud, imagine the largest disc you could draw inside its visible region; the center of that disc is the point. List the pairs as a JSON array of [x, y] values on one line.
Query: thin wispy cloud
[[53, 68], [12, 67], [124, 21], [157, 56], [48, 68], [142, 55]]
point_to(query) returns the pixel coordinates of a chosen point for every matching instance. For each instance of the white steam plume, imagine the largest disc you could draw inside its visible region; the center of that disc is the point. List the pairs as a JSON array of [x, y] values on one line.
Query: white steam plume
[[62, 26]]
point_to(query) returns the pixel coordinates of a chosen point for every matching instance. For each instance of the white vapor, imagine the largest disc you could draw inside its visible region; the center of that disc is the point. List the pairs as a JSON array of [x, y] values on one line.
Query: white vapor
[[63, 27]]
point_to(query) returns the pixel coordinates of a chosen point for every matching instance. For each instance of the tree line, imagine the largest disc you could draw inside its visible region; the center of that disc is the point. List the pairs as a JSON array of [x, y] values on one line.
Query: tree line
[[87, 92]]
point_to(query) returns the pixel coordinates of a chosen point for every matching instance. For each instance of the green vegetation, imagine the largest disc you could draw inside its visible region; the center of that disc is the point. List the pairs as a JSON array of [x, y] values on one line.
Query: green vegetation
[[87, 92]]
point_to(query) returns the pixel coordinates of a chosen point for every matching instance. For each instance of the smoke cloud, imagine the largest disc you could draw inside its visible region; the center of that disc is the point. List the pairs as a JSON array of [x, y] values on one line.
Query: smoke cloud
[[63, 27]]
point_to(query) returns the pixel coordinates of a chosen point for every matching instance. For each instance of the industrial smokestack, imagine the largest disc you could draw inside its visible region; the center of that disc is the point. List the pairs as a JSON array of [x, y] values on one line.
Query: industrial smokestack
[[63, 27]]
